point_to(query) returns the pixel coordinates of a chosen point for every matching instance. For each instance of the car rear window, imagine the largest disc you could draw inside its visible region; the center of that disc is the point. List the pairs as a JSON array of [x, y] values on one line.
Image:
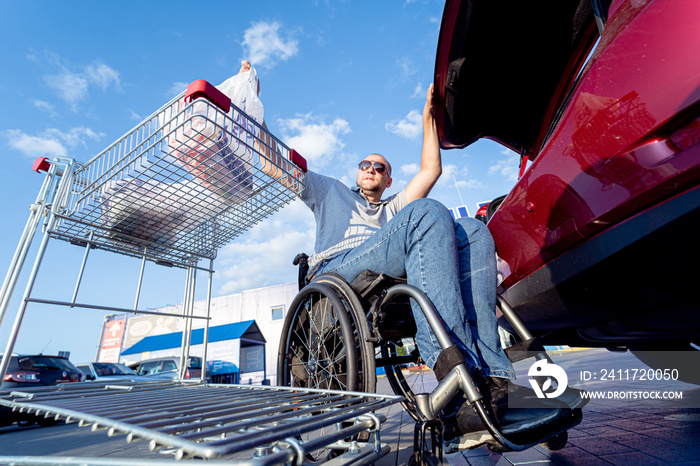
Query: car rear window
[[148, 368], [195, 363], [45, 362], [106, 369], [169, 366]]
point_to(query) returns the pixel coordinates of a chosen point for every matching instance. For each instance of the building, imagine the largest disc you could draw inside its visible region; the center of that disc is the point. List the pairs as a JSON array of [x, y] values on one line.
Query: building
[[244, 331]]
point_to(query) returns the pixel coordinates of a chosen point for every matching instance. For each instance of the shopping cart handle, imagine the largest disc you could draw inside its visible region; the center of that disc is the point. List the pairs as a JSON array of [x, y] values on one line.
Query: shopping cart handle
[[41, 164], [298, 160], [202, 88]]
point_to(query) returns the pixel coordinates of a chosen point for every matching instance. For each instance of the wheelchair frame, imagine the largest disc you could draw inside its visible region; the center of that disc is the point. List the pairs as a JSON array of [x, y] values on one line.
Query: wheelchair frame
[[424, 407]]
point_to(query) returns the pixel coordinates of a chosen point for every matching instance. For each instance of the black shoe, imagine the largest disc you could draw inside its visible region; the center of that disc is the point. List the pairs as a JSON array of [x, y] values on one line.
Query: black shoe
[[464, 428]]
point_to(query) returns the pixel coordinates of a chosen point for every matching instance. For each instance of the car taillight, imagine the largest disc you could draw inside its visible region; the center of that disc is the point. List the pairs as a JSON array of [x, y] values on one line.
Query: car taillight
[[73, 377], [22, 377]]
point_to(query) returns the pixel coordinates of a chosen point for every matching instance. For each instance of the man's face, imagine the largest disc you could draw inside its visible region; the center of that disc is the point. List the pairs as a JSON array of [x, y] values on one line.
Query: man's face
[[371, 180]]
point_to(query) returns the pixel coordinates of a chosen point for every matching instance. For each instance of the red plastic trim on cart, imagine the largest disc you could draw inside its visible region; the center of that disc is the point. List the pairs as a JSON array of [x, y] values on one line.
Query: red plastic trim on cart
[[202, 88], [41, 164], [298, 160]]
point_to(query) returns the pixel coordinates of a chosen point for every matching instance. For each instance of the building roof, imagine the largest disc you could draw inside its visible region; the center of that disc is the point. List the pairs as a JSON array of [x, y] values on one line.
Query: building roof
[[248, 330]]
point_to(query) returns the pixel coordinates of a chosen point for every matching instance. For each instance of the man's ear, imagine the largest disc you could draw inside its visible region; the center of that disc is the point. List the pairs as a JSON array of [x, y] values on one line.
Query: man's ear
[[388, 183]]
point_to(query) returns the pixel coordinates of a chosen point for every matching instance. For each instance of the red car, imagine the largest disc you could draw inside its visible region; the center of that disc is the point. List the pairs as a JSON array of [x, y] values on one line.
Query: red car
[[603, 97]]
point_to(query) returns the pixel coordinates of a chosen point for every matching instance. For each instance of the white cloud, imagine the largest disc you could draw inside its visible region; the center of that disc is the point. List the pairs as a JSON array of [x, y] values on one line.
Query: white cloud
[[409, 169], [451, 176], [419, 91], [50, 142], [34, 146], [264, 46], [176, 89], [70, 87], [44, 106], [73, 86], [76, 136], [263, 256], [407, 66], [448, 174], [508, 167], [409, 127], [102, 75], [134, 116], [313, 138]]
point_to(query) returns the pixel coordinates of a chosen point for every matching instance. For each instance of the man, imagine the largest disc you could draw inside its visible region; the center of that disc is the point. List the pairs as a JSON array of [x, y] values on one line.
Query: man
[[453, 263], [407, 235]]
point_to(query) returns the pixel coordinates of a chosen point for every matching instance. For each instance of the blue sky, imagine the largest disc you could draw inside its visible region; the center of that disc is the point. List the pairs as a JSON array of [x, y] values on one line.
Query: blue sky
[[339, 80]]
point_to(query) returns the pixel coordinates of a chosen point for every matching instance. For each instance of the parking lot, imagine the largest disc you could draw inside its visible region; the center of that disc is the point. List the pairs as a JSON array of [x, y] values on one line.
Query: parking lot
[[607, 435]]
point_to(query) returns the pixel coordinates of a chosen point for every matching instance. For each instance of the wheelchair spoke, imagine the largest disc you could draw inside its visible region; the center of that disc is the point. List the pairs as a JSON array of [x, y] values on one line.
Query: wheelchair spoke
[[316, 347]]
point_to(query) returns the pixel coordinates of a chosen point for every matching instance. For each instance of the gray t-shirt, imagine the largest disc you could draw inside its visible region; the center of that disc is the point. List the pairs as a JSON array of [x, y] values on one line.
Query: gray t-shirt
[[344, 216]]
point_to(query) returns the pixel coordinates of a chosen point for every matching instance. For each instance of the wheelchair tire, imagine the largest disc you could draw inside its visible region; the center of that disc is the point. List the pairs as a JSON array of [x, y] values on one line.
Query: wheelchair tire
[[366, 369], [313, 349]]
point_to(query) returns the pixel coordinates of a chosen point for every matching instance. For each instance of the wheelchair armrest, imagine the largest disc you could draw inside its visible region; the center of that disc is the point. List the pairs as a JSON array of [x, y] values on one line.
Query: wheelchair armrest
[[302, 260]]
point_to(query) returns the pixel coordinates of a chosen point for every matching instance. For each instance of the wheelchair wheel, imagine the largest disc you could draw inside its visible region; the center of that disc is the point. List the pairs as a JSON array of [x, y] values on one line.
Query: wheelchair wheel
[[323, 346], [364, 348], [324, 340]]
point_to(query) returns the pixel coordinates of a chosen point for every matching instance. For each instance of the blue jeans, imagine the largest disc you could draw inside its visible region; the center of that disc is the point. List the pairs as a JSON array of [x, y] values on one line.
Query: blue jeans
[[454, 263]]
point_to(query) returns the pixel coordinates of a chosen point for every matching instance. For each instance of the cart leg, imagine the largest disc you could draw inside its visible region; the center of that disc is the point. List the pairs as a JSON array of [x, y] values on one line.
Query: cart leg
[[421, 455], [23, 306], [37, 209]]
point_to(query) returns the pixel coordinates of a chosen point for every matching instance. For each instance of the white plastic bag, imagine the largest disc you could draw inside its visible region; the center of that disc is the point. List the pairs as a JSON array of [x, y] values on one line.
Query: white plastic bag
[[216, 151], [242, 89], [142, 212], [142, 209]]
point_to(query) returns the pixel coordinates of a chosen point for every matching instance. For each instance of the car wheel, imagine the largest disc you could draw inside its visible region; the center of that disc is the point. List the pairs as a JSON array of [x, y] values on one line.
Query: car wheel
[[47, 421]]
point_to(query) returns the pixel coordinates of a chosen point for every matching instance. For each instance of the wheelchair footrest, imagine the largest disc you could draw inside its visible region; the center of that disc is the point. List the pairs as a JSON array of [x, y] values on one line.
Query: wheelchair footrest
[[533, 434], [518, 436]]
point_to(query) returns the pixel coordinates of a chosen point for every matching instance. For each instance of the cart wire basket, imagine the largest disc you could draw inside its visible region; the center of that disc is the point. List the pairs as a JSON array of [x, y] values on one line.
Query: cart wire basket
[[240, 423], [185, 181]]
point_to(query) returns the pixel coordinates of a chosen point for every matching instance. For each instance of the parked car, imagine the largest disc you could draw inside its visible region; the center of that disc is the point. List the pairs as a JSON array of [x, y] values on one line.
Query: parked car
[[35, 371], [168, 367], [108, 371], [603, 97]]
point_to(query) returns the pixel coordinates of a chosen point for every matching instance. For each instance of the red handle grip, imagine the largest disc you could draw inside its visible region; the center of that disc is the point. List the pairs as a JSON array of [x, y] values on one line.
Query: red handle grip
[[201, 88], [41, 164], [298, 160]]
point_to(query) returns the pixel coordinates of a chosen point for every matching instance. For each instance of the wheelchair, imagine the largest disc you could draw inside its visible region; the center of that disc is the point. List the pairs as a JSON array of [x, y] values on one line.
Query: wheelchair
[[337, 335]]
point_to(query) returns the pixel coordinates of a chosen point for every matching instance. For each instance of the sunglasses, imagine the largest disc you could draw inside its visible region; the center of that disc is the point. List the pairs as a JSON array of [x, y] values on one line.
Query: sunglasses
[[379, 167]]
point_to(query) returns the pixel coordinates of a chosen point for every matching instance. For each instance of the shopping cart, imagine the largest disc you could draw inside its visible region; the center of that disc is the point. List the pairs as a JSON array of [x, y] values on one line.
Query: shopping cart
[[187, 180]]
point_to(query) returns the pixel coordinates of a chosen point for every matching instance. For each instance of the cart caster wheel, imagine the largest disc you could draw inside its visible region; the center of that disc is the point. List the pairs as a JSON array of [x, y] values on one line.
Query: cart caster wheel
[[557, 442]]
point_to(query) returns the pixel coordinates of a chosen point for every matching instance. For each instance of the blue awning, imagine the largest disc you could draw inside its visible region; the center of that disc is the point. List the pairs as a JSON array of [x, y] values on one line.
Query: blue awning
[[248, 330]]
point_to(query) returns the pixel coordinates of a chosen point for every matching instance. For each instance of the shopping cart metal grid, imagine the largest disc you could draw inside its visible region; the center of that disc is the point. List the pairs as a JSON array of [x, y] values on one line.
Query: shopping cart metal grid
[[184, 182], [272, 425]]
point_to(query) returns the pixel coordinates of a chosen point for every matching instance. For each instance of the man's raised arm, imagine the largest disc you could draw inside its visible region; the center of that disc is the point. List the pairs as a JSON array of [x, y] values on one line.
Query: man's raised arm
[[430, 162]]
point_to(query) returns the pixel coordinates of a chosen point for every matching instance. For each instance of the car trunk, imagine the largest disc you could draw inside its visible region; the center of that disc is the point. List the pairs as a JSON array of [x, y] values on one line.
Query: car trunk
[[502, 68]]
